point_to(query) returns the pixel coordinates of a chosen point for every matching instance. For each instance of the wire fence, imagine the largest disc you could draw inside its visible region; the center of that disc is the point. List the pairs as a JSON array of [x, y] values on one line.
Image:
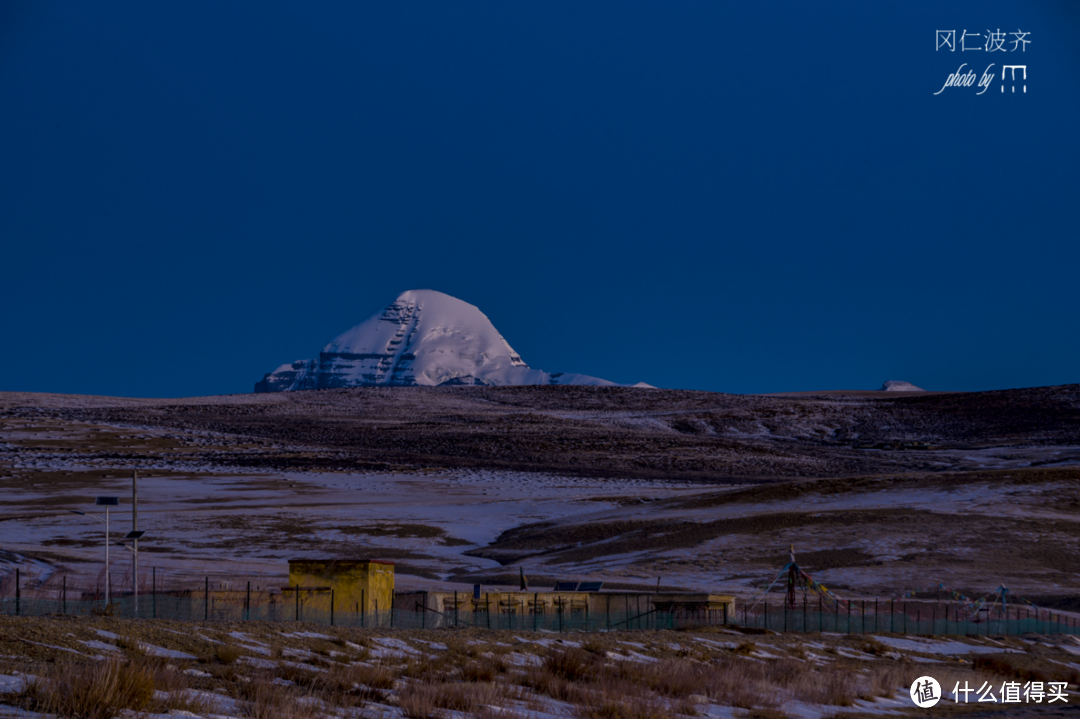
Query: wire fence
[[184, 597], [920, 618], [213, 607]]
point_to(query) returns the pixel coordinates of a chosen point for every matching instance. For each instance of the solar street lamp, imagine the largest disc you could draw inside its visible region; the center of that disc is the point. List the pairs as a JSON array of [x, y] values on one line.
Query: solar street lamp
[[133, 537], [105, 502]]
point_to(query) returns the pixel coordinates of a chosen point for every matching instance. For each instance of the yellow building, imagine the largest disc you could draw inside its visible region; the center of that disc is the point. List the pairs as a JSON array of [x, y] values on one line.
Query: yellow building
[[357, 585]]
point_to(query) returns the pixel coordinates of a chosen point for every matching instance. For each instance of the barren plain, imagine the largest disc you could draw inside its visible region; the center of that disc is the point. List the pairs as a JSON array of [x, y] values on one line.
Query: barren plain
[[880, 493]]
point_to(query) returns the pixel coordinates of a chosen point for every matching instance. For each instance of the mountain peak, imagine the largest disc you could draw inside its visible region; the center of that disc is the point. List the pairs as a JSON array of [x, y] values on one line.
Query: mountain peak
[[899, 386], [422, 337]]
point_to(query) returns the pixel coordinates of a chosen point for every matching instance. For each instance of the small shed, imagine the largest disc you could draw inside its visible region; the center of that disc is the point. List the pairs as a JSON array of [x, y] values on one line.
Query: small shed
[[365, 585]]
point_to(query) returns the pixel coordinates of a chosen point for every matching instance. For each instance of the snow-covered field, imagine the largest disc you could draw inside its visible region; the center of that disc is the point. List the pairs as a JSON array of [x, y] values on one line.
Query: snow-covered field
[[233, 487], [220, 670]]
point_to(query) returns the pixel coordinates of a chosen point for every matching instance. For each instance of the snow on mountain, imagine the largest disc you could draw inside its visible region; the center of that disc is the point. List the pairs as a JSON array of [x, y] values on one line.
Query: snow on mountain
[[898, 386], [424, 338]]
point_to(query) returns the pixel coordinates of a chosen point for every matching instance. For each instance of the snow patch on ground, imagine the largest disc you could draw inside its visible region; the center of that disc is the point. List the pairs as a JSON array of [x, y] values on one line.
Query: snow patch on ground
[[935, 646]]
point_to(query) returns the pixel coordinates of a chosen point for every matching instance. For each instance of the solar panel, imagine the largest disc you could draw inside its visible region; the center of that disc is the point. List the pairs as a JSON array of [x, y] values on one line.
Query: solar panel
[[590, 586], [566, 586]]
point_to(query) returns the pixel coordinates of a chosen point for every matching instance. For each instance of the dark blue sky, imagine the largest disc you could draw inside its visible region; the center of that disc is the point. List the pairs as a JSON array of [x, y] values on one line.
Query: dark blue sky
[[741, 197]]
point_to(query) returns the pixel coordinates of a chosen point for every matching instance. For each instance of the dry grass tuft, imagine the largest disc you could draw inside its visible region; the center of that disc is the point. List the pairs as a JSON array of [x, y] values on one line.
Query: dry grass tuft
[[542, 681], [1002, 666], [484, 669], [874, 647], [417, 701], [429, 669], [91, 691], [354, 684], [227, 653], [271, 701], [301, 675], [837, 688], [611, 705], [571, 664], [174, 685], [129, 644], [595, 645], [465, 697], [884, 681], [376, 677]]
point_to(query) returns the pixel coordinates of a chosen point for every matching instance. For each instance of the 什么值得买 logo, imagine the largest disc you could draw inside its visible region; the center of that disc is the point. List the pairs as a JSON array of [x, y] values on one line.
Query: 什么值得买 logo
[[926, 692]]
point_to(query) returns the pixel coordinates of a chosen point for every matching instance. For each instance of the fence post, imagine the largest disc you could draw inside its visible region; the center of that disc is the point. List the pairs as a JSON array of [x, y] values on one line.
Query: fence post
[[455, 609], [63, 602], [766, 624], [206, 600], [864, 616], [247, 603], [18, 597], [875, 616], [905, 617], [820, 614], [331, 606], [363, 608], [153, 594], [298, 602], [892, 617]]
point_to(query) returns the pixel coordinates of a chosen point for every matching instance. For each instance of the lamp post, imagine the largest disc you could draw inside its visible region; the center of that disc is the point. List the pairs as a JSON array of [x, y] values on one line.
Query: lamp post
[[105, 502], [133, 537]]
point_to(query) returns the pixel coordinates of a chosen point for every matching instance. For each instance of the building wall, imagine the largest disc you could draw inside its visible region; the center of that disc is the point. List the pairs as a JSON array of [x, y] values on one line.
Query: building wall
[[368, 585], [630, 603]]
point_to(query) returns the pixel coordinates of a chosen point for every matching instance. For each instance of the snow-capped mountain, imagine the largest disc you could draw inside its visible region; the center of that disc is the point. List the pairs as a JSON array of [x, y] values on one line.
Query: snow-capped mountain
[[423, 337], [898, 386]]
